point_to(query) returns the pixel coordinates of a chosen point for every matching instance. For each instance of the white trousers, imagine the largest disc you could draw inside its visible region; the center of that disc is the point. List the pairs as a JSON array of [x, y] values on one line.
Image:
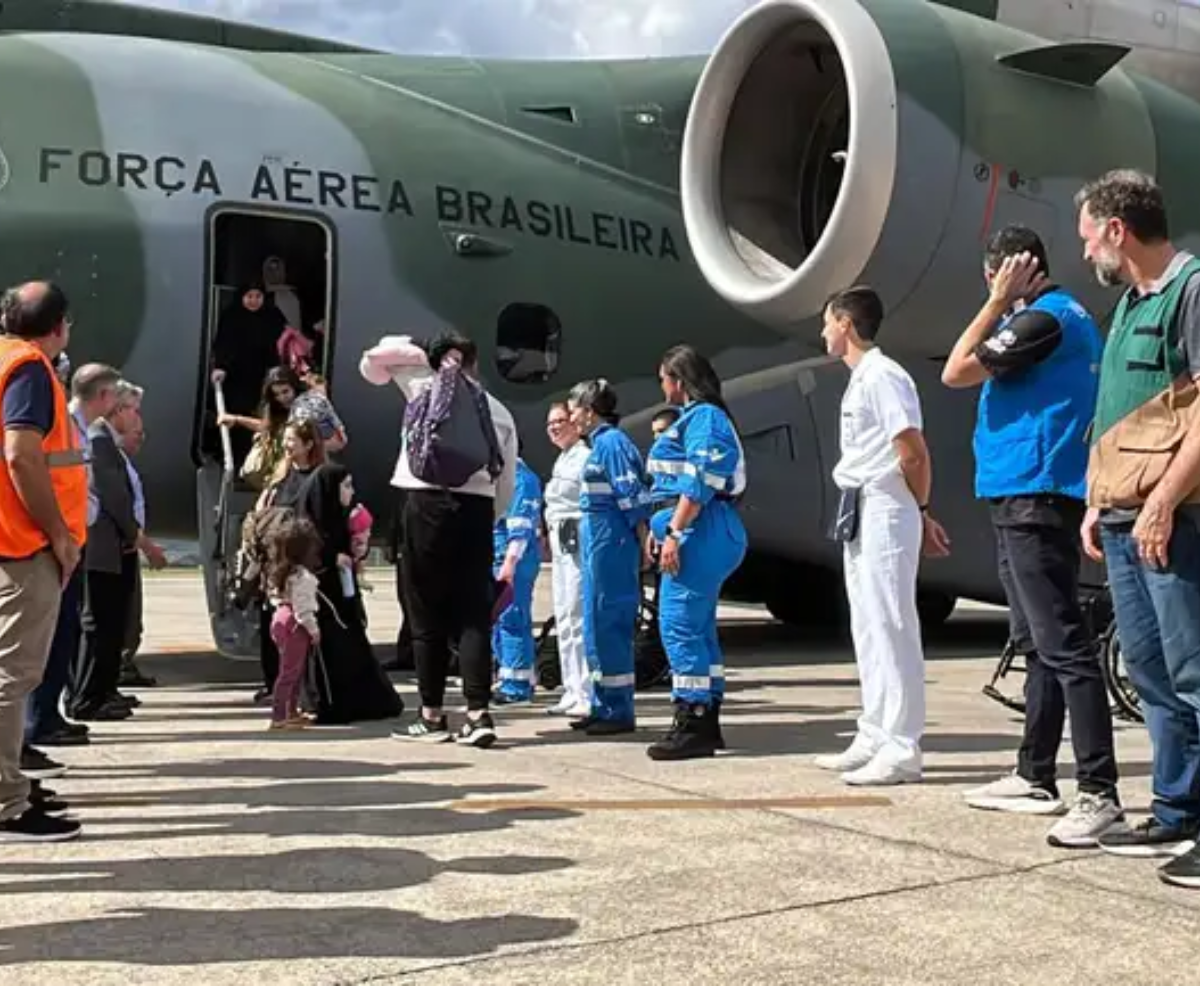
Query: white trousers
[[567, 580], [881, 584]]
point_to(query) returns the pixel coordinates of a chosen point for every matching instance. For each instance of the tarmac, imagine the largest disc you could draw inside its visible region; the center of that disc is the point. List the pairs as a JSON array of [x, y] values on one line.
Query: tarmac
[[215, 853]]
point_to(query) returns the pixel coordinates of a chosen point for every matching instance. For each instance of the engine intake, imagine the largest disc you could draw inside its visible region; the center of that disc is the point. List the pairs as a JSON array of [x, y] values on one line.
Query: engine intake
[[789, 156]]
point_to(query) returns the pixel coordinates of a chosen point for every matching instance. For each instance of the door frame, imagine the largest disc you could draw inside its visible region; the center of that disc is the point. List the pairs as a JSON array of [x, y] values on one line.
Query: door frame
[[208, 315]]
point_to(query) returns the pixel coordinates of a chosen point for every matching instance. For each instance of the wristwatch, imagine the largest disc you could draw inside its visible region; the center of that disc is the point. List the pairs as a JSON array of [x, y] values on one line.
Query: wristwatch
[[673, 534]]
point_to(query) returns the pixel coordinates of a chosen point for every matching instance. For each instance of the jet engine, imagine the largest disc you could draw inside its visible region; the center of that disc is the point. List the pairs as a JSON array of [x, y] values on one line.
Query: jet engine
[[836, 141]]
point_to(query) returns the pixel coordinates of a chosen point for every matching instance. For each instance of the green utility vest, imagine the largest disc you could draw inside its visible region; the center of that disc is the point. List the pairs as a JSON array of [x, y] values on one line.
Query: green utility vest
[[1141, 357], [1146, 402]]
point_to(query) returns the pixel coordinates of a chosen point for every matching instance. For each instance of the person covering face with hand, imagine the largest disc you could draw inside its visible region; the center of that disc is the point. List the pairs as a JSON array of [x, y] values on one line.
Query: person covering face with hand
[[1037, 352]]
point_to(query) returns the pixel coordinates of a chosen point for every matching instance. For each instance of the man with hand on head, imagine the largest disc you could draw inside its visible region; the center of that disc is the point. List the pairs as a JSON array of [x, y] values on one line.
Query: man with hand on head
[[1036, 351]]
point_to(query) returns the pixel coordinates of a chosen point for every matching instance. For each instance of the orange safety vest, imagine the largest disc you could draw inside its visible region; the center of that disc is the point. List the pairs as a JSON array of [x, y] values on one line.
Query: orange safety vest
[[20, 536]]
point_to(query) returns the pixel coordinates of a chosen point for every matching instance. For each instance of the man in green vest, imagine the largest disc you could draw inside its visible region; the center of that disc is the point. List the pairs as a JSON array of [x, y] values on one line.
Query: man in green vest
[[1143, 515]]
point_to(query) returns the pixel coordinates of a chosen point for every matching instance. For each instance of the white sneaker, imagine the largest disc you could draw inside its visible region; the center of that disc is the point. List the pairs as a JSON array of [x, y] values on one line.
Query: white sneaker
[[1015, 794], [580, 710], [858, 755], [881, 773], [560, 709], [1089, 818]]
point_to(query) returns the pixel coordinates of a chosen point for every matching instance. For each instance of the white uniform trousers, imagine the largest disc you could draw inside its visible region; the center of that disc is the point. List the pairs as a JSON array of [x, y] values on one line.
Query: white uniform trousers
[[881, 583], [567, 580]]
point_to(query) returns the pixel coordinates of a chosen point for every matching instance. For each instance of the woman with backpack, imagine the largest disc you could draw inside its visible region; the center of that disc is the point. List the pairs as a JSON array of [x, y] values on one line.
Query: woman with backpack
[[615, 503]]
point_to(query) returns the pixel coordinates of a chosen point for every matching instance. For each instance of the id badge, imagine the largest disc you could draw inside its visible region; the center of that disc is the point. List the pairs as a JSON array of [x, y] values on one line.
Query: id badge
[[845, 524]]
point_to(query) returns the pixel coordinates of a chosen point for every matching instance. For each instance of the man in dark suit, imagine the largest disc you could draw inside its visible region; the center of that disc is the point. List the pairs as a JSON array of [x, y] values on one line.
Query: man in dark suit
[[110, 581]]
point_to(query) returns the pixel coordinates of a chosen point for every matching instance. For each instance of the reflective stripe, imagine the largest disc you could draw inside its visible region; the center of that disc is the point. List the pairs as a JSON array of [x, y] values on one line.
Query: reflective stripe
[[668, 468], [625, 503], [512, 674], [597, 488], [66, 458], [520, 524], [717, 671], [616, 680], [716, 482], [687, 682]]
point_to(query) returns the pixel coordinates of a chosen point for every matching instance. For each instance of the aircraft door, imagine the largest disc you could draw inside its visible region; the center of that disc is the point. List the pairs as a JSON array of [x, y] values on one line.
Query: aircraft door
[[293, 256]]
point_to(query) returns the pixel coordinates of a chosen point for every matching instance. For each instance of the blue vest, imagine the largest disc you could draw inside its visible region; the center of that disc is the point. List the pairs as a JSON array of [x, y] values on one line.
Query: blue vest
[[1031, 430]]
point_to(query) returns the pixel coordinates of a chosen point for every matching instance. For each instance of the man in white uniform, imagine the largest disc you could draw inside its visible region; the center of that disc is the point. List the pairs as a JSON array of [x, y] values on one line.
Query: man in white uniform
[[884, 476], [562, 522]]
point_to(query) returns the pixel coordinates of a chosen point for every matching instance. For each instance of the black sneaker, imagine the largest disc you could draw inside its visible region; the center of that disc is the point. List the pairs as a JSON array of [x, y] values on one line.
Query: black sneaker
[[36, 826], [1149, 839], [610, 727], [425, 730], [1183, 871], [46, 800], [62, 737], [479, 732], [38, 767]]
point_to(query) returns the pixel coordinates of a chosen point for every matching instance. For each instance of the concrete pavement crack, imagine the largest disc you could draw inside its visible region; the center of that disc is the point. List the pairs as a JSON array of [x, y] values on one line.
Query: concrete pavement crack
[[697, 925]]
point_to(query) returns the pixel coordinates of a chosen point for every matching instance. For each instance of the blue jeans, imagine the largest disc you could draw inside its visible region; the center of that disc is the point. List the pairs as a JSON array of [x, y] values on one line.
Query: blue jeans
[[1158, 620], [42, 717]]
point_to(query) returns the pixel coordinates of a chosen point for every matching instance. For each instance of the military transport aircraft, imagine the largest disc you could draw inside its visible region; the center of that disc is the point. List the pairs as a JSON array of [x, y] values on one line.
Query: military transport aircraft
[[577, 218]]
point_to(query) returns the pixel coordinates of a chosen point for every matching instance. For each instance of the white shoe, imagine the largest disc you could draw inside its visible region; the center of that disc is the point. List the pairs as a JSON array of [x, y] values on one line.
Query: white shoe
[[858, 755], [561, 708], [580, 710], [881, 773], [1014, 794], [1091, 816]]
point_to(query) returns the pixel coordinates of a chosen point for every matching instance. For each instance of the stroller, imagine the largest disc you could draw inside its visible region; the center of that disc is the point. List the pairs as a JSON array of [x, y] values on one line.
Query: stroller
[[1102, 625], [651, 666]]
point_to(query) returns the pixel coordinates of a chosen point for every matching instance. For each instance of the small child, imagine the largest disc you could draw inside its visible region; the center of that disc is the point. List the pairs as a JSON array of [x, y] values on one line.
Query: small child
[[360, 523], [292, 555]]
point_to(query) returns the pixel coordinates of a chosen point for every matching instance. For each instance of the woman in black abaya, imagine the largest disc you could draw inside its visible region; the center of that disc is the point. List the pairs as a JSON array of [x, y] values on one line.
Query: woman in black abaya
[[348, 683], [244, 350]]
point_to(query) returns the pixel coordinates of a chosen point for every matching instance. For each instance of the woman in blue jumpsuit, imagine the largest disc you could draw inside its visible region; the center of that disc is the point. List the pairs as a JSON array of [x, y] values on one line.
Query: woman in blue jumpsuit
[[517, 559], [698, 469], [614, 504]]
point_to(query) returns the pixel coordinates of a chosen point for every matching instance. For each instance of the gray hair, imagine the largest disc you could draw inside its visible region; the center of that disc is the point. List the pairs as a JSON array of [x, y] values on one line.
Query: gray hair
[[127, 393]]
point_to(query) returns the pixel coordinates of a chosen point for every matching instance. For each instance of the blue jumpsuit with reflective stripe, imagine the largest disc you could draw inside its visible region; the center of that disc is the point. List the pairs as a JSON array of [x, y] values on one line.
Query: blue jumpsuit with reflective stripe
[[701, 458], [614, 500], [512, 636]]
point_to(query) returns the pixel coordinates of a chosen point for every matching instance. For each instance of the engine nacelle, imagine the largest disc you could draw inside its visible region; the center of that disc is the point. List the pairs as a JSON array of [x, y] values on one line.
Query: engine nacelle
[[837, 141]]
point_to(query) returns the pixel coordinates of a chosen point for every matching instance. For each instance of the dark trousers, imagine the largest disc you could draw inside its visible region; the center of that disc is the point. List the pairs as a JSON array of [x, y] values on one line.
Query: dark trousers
[[446, 560], [405, 659], [41, 710], [134, 628], [1038, 546], [268, 653], [106, 601]]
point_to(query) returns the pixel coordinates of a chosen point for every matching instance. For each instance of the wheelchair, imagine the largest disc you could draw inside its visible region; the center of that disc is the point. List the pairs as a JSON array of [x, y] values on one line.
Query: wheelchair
[[1102, 624], [651, 667]]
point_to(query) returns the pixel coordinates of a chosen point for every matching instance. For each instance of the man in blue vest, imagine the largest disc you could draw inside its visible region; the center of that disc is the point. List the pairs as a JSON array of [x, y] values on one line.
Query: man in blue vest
[[1036, 350]]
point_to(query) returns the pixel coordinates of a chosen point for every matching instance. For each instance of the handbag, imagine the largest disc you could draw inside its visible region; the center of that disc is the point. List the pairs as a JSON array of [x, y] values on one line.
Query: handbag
[[263, 461], [845, 524]]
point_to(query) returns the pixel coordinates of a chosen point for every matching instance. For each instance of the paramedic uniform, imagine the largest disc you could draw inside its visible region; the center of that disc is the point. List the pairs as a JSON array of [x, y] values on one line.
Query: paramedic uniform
[[881, 561], [613, 502], [563, 517], [701, 458], [512, 636]]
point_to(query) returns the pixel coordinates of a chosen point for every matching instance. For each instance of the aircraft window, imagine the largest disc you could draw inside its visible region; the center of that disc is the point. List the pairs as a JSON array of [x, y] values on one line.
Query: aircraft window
[[528, 343]]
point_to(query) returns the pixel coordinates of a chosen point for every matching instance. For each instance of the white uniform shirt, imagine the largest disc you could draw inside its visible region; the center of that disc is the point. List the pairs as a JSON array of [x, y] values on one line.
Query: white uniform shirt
[[566, 484], [880, 402]]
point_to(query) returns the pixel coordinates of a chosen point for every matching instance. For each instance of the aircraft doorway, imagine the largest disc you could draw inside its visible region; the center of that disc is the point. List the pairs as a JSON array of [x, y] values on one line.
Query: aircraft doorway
[[292, 258]]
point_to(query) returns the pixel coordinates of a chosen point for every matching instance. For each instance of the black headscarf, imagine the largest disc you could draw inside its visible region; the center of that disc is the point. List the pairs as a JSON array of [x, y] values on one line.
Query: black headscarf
[[248, 339], [323, 506]]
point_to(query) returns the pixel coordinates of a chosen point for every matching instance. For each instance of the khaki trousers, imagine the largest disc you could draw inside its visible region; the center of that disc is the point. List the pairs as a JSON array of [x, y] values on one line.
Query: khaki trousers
[[30, 595]]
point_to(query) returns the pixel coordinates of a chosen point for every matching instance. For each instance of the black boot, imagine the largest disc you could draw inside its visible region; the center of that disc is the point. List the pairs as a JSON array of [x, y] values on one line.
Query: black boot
[[693, 734], [718, 736]]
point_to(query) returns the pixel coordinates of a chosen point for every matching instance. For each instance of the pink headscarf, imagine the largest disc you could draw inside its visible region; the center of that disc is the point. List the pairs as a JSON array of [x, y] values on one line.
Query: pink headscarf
[[294, 350]]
